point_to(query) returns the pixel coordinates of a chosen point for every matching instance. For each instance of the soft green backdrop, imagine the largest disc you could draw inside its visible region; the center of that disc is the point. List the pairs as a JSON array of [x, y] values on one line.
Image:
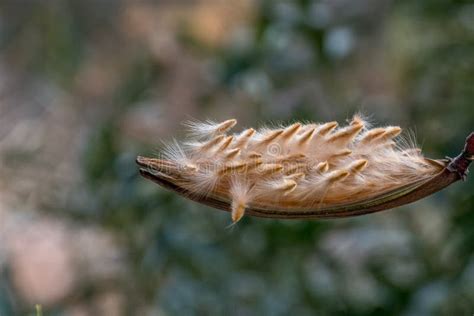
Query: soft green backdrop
[[85, 86]]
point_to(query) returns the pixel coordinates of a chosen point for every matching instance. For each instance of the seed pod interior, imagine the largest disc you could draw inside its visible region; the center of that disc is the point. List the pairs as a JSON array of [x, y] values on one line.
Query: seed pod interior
[[293, 169]]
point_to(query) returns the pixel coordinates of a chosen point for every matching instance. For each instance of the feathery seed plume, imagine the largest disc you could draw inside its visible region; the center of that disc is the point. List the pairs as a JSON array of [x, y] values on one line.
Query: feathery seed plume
[[303, 170]]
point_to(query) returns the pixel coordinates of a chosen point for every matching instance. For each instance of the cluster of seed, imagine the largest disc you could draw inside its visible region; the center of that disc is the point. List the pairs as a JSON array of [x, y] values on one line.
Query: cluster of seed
[[296, 167]]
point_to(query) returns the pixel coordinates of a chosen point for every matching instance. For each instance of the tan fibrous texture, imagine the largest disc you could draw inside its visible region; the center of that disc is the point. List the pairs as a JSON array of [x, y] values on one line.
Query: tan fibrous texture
[[300, 166]]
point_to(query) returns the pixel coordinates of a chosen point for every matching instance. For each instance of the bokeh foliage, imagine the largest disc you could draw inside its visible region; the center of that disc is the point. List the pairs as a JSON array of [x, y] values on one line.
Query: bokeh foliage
[[407, 62]]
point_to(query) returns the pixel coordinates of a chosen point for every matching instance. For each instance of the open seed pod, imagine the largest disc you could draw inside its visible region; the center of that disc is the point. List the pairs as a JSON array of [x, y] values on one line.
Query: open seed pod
[[302, 170]]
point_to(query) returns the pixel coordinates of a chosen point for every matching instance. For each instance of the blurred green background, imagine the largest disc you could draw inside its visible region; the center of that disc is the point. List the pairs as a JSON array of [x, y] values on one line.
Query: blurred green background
[[85, 86]]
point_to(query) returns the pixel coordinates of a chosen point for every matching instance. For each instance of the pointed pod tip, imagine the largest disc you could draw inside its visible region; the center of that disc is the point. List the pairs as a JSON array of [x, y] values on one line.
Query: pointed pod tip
[[140, 160], [145, 162]]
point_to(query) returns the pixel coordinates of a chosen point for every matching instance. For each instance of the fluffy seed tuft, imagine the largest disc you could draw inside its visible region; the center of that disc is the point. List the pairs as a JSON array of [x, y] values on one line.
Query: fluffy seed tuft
[[301, 166]]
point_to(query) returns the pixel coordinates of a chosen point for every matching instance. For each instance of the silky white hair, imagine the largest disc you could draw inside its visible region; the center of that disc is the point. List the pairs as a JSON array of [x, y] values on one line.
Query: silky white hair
[[299, 166]]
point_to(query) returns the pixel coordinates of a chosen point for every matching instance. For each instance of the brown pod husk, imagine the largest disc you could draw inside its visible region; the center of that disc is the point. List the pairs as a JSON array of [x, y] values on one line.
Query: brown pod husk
[[175, 176]]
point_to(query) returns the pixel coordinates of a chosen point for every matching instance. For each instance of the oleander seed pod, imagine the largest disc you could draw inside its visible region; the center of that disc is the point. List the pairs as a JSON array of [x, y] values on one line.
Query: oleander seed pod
[[302, 170]]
